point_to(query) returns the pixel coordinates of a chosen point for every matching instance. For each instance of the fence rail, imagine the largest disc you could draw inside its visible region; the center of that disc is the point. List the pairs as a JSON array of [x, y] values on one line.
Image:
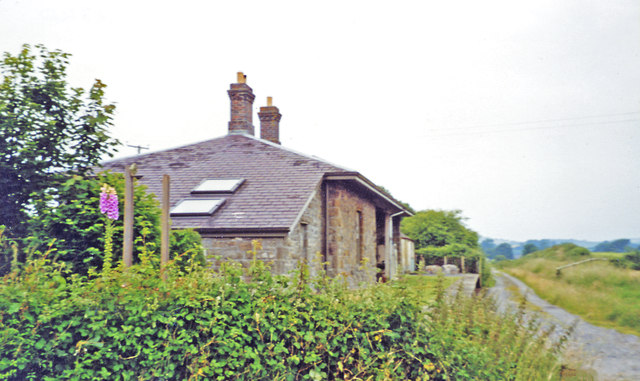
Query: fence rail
[[559, 269]]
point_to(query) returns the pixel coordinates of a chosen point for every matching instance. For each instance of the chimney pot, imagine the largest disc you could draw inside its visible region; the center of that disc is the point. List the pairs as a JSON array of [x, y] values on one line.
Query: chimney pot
[[242, 97], [270, 122]]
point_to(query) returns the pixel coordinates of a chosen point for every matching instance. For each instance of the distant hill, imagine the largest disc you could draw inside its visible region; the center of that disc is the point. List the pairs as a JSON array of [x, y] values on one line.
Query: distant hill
[[518, 246]]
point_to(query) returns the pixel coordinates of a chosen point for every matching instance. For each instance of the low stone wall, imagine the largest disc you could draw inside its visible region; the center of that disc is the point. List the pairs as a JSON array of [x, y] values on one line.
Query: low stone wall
[[275, 251]]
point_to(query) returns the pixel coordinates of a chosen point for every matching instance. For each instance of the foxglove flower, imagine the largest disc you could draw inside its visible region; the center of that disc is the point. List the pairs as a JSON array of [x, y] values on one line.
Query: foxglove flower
[[109, 202]]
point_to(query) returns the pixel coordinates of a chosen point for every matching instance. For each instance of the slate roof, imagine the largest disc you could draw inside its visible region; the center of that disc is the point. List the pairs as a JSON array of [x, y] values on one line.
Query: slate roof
[[278, 181]]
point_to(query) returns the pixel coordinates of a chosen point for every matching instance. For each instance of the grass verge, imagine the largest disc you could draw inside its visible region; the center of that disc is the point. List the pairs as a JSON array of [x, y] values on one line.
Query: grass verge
[[599, 292]]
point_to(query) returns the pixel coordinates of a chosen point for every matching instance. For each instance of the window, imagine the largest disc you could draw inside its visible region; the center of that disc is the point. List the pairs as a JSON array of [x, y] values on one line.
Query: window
[[197, 207], [218, 186]]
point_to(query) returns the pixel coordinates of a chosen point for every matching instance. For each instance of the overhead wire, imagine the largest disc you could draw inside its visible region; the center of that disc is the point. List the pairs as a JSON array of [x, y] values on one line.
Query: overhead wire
[[475, 130]]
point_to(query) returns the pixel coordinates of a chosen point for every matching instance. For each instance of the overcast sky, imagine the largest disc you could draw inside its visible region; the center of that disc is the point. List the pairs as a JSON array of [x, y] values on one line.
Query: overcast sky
[[525, 115]]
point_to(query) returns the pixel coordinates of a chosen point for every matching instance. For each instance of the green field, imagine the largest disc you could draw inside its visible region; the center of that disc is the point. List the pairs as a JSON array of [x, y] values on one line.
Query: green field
[[598, 291]]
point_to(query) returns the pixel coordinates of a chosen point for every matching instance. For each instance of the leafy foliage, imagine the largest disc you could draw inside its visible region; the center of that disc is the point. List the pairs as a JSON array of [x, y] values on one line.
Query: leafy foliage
[[47, 128], [616, 246], [565, 251], [70, 215], [631, 260], [186, 246], [488, 246], [441, 233], [505, 250], [542, 244], [404, 204], [244, 323], [529, 248], [438, 228], [69, 221]]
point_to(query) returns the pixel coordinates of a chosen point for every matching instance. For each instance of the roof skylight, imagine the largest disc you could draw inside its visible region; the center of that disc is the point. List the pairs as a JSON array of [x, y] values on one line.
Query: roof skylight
[[218, 186], [197, 207]]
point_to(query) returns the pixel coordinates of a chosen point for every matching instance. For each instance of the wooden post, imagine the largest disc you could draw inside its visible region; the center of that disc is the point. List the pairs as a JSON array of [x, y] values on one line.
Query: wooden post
[[462, 269], [164, 237], [127, 244]]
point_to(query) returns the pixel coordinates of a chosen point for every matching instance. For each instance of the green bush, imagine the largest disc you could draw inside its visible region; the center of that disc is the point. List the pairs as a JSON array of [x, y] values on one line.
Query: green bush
[[70, 216], [564, 251], [244, 323], [185, 245], [631, 260], [577, 251]]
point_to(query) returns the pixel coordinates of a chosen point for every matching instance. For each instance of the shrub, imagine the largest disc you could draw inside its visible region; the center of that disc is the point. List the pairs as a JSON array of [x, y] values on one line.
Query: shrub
[[185, 245], [70, 215], [577, 251], [244, 323], [630, 260]]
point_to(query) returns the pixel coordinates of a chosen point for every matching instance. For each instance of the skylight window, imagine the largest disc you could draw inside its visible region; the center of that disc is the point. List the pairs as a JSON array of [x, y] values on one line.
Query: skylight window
[[218, 186], [196, 207]]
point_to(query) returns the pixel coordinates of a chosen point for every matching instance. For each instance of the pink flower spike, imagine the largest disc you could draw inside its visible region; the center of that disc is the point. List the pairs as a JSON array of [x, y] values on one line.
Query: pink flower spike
[[109, 202]]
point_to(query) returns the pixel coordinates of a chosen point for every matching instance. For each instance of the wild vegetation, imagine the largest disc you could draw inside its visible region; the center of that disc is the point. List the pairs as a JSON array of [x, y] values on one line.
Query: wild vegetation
[[67, 219], [441, 235], [245, 323], [48, 129], [604, 292], [70, 310]]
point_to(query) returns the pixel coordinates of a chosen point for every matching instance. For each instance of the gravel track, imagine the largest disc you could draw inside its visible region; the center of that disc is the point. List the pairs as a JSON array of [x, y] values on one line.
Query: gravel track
[[606, 352]]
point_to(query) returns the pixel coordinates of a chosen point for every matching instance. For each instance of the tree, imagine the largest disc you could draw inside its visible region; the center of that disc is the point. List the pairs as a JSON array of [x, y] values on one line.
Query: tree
[[48, 130], [617, 246], [70, 214], [488, 246], [529, 248], [505, 250], [404, 204], [438, 228], [440, 233]]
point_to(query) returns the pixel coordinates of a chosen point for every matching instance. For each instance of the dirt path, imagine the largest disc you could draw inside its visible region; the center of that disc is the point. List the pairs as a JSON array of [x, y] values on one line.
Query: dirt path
[[608, 353]]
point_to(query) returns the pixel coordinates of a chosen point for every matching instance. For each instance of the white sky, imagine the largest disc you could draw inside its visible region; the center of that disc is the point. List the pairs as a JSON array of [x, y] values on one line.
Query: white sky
[[524, 115]]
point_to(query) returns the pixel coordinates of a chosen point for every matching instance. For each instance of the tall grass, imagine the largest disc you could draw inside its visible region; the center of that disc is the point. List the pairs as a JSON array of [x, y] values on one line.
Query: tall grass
[[516, 346], [598, 291]]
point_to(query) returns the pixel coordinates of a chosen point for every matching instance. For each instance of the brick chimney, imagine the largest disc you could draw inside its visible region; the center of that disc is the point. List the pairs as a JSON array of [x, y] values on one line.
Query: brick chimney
[[270, 122], [241, 107]]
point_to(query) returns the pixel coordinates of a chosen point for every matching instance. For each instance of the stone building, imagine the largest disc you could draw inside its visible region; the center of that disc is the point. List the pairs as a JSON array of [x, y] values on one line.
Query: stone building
[[237, 188]]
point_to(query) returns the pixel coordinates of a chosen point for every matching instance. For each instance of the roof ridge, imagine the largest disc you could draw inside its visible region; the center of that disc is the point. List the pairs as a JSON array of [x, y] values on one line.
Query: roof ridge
[[290, 150], [160, 150], [266, 142]]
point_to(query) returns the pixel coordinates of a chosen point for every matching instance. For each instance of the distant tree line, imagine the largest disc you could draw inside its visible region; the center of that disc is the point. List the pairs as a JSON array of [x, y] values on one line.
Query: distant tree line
[[514, 250], [498, 252], [617, 246]]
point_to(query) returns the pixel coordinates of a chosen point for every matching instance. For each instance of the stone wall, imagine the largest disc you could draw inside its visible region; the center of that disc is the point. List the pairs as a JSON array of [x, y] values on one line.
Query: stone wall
[[283, 253], [344, 206], [275, 250], [351, 222], [311, 224]]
